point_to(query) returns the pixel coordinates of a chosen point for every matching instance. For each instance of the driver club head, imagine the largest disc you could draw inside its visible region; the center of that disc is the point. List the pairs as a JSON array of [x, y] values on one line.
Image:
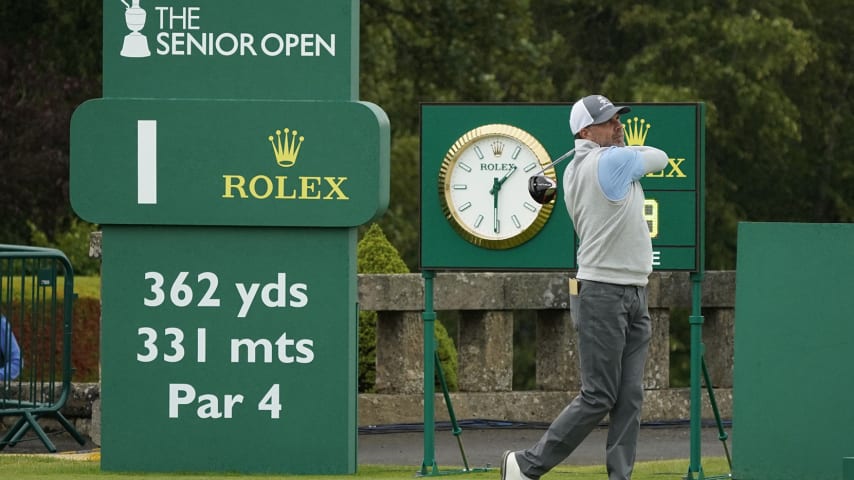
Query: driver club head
[[542, 189]]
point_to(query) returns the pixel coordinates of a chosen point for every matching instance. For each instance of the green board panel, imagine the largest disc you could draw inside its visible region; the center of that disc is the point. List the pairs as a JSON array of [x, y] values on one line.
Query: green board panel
[[676, 193], [271, 163], [267, 316], [793, 389], [263, 49]]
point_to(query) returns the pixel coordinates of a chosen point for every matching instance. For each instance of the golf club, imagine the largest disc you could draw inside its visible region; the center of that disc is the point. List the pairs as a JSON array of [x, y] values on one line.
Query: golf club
[[542, 188]]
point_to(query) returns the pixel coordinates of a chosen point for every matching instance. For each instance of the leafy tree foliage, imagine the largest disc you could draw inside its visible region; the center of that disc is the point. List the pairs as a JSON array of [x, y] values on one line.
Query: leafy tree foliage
[[49, 64], [740, 64], [74, 243], [775, 78]]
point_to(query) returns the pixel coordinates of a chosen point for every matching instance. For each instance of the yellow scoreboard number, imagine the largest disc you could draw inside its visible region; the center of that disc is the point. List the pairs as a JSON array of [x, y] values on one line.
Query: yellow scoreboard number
[[650, 214]]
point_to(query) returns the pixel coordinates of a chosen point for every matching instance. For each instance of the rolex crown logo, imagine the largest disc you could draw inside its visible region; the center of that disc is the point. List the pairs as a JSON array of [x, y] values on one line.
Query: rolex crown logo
[[286, 147], [497, 148], [635, 131]]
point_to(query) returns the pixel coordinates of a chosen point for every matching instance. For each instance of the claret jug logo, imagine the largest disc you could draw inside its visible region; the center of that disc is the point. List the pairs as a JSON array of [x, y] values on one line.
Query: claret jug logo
[[286, 144], [185, 31], [135, 44], [286, 151]]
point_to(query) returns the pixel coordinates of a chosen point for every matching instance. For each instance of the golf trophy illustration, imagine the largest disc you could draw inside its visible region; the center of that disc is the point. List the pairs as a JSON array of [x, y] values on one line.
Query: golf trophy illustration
[[136, 44]]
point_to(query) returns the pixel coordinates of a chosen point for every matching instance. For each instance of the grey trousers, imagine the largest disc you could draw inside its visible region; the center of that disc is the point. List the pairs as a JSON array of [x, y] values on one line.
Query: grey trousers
[[613, 339]]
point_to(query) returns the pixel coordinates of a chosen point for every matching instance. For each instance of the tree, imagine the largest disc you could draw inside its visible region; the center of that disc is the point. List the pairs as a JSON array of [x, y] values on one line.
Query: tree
[[49, 63], [775, 77], [823, 167], [741, 64]]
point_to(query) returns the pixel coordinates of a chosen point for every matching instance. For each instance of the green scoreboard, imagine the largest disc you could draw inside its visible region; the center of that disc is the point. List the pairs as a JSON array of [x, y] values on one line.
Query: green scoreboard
[[508, 143]]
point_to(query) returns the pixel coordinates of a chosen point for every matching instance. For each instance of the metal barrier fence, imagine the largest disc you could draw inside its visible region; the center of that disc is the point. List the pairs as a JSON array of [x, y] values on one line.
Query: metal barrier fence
[[36, 297]]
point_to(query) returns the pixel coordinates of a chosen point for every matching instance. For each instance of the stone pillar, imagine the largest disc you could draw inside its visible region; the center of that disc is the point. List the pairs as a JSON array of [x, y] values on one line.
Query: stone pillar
[[485, 351], [657, 374], [95, 250], [718, 329], [719, 326], [557, 352], [95, 426], [400, 352]]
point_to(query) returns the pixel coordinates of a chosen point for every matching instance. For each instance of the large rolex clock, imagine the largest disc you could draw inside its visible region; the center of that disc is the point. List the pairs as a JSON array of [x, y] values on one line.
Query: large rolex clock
[[483, 186]]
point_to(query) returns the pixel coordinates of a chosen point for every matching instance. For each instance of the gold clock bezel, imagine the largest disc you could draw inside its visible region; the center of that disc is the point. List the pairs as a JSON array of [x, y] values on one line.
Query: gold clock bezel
[[450, 161]]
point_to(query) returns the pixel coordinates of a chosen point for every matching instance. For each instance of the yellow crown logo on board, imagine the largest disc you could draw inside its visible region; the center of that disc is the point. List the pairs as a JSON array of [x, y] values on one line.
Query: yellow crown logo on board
[[285, 147], [636, 131], [497, 148]]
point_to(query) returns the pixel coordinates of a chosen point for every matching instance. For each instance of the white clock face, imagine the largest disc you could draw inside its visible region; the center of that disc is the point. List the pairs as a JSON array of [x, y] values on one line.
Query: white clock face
[[484, 185]]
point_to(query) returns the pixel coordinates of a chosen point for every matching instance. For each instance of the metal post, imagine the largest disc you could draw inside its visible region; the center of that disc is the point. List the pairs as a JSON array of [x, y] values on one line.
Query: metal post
[[722, 435], [457, 431], [696, 322], [432, 368], [429, 317]]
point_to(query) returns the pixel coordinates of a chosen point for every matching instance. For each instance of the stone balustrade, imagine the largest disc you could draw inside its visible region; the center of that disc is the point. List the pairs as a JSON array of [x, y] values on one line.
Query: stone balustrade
[[487, 303]]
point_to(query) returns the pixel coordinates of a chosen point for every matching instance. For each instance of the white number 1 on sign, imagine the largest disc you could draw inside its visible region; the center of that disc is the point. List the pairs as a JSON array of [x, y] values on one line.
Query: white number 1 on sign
[[146, 157]]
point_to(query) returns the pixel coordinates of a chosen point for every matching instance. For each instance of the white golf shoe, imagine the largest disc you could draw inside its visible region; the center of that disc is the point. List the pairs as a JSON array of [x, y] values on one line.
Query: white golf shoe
[[510, 468]]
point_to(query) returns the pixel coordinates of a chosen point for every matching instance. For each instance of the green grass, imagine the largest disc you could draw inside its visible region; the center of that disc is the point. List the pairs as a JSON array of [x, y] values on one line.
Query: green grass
[[84, 287], [87, 287], [46, 467]]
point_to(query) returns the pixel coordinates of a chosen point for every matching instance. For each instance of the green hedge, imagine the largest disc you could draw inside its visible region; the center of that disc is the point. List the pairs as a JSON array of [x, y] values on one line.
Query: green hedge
[[86, 340], [376, 254]]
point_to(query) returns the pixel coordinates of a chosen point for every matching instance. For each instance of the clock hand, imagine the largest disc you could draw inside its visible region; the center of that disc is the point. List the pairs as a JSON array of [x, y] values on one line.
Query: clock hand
[[494, 191], [506, 175], [496, 185]]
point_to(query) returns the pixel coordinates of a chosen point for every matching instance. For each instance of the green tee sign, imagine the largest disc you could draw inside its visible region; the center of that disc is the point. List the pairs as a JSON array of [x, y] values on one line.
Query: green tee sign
[[673, 210], [229, 165]]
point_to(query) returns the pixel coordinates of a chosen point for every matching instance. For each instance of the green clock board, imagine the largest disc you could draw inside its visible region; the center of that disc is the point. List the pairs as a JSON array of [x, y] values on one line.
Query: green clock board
[[674, 207]]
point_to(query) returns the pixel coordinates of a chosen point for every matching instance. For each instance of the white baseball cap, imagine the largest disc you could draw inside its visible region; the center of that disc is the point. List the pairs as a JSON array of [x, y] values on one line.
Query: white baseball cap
[[592, 110]]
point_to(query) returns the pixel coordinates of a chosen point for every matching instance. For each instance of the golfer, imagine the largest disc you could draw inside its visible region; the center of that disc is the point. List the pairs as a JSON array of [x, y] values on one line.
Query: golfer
[[605, 201]]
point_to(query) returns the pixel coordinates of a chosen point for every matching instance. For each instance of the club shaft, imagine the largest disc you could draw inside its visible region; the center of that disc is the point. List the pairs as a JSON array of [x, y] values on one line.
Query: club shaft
[[559, 159]]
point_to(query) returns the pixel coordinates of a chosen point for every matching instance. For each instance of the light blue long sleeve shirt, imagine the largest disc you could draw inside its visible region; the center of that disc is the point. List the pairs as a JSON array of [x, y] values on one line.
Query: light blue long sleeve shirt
[[10, 352], [619, 167]]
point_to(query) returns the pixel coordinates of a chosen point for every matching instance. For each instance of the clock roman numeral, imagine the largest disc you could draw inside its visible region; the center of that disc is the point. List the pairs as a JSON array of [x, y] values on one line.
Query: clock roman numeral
[[529, 207], [478, 221], [530, 167], [465, 167], [516, 221], [465, 206], [516, 152], [479, 152]]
